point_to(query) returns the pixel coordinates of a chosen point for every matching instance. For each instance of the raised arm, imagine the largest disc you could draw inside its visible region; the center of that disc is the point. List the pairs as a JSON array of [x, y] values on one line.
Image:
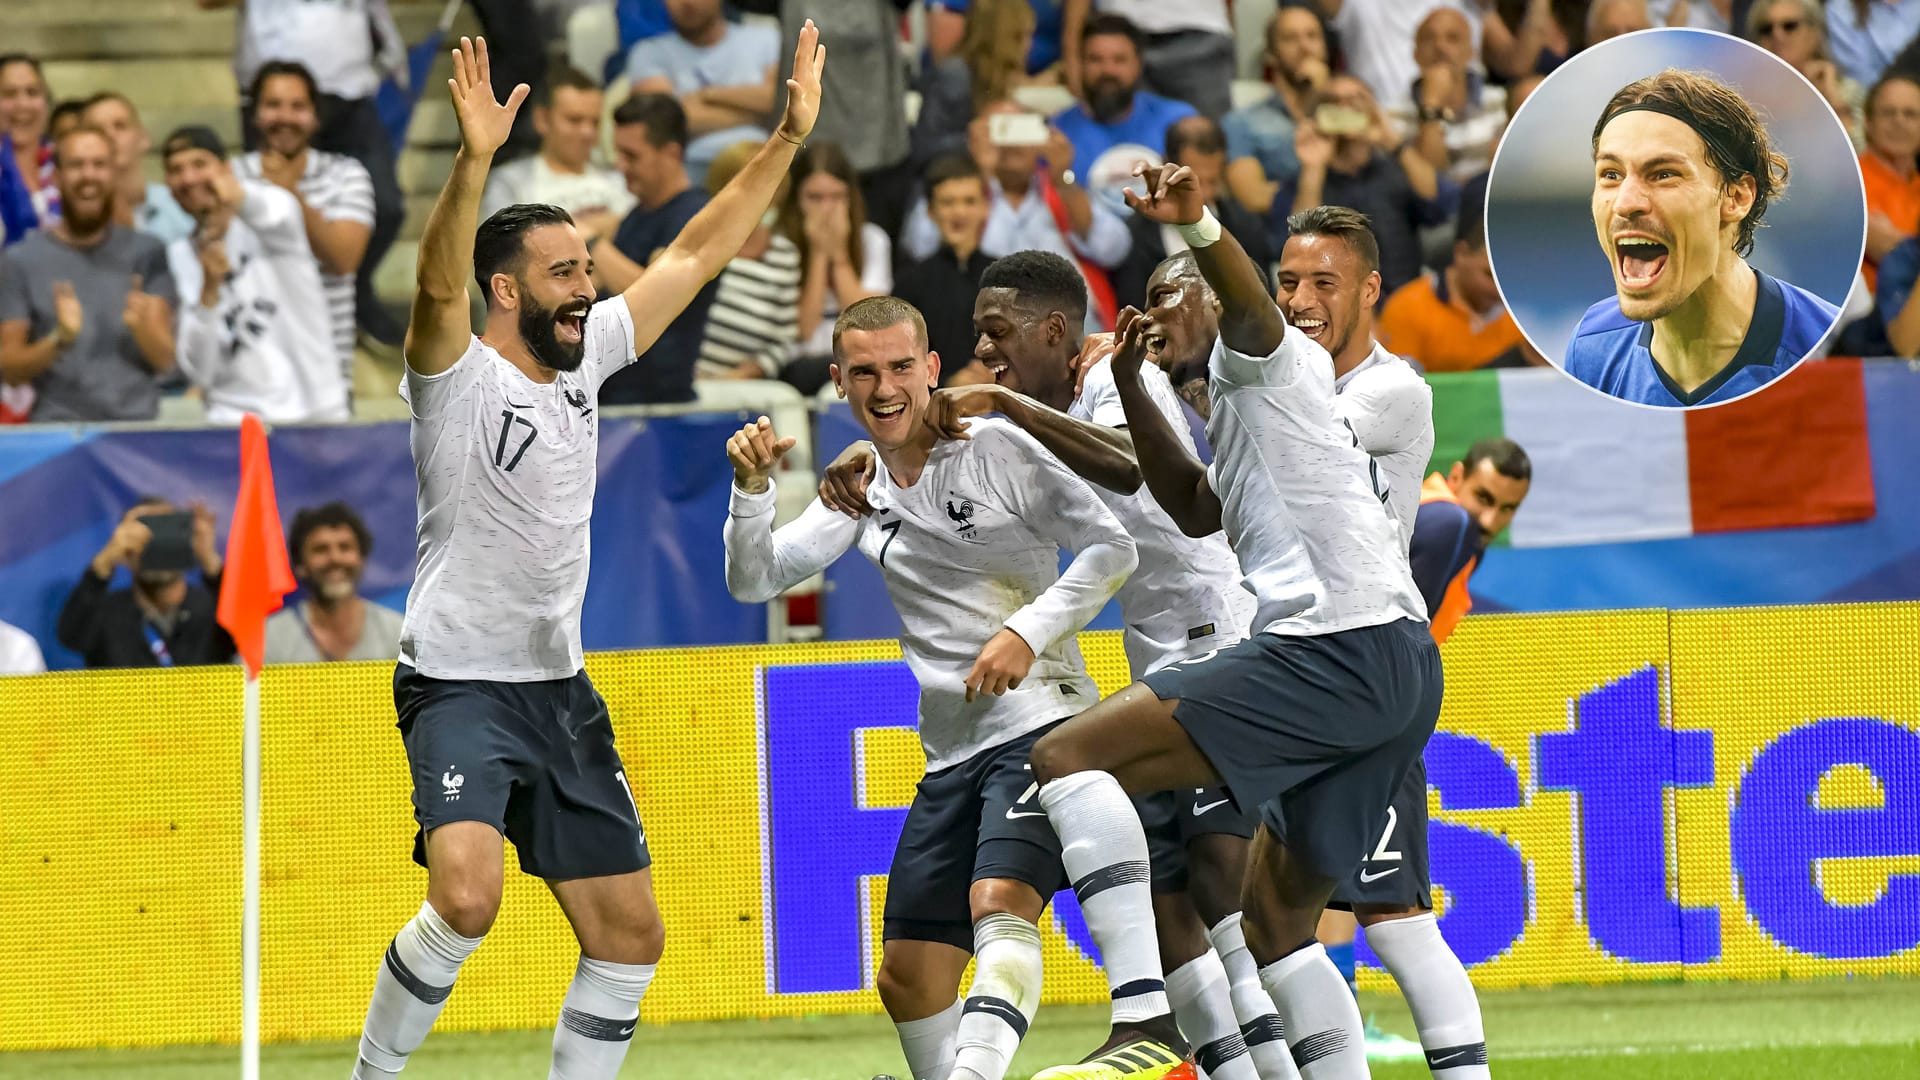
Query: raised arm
[[763, 562], [1250, 322], [1093, 451], [442, 324], [1177, 479], [715, 234]]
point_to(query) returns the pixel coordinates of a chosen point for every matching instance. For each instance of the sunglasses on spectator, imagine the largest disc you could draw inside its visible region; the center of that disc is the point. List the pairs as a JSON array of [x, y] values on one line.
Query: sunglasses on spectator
[[1790, 26]]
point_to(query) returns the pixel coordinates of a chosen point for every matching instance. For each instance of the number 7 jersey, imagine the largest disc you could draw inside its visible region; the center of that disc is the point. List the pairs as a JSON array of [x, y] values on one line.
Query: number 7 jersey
[[506, 469]]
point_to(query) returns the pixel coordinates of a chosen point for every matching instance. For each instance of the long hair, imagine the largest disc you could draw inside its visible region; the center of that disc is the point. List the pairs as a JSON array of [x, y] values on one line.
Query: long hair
[[994, 47], [824, 157]]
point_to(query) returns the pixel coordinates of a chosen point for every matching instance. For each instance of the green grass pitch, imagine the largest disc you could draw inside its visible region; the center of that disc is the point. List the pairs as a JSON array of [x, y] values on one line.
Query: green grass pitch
[[1864, 1029]]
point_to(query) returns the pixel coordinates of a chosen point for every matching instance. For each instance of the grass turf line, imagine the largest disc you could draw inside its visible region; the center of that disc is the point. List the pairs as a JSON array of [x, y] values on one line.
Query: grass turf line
[[1862, 1029]]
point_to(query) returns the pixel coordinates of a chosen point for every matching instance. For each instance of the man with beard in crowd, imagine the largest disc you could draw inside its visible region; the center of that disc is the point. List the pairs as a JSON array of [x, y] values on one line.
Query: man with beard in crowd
[[138, 203], [330, 546], [163, 620], [86, 306], [1116, 119]]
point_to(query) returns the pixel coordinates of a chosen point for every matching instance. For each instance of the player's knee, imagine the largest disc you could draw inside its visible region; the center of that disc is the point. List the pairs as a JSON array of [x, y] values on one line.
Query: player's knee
[[1004, 896], [648, 940], [467, 907], [1057, 755]]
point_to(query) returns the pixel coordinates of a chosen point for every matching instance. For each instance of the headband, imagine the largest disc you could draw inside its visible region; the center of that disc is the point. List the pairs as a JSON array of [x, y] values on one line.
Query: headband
[[1718, 149]]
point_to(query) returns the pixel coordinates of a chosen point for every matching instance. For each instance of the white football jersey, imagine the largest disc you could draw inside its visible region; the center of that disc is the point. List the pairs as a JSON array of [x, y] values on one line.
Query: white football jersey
[[1186, 597], [972, 547], [1303, 505], [1390, 408], [506, 469]]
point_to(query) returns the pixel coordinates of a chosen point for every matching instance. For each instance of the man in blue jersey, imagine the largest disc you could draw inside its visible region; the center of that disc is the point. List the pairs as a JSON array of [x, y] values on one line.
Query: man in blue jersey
[[1683, 173]]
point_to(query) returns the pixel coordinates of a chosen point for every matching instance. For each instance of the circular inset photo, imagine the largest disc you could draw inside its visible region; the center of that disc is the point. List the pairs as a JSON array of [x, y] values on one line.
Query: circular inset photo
[[1675, 218]]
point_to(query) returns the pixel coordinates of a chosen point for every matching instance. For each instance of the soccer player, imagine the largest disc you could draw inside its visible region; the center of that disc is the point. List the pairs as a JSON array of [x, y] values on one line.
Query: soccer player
[[1683, 172], [504, 734], [966, 534], [1184, 600], [1313, 719], [1460, 514]]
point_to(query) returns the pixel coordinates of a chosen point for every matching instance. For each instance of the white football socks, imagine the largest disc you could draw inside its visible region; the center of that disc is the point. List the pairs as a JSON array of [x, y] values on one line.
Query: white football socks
[[1260, 1024], [1104, 851], [929, 1043], [1322, 1019], [1439, 993], [411, 989], [1003, 998], [1203, 1007], [597, 1019]]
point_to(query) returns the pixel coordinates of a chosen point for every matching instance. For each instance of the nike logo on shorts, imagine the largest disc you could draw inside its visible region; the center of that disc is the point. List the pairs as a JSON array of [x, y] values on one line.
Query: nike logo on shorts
[[1199, 809], [1016, 815], [1366, 878]]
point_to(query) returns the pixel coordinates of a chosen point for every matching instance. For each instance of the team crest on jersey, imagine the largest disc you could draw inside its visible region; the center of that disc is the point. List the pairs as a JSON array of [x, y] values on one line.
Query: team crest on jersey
[[578, 399], [962, 516]]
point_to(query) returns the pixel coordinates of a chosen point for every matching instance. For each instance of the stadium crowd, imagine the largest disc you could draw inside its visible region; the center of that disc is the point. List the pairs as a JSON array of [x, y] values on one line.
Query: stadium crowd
[[244, 274]]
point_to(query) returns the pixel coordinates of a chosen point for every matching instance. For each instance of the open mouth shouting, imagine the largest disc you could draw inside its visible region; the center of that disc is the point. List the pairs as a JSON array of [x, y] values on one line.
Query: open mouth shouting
[[1639, 260], [1156, 344], [889, 416], [570, 326]]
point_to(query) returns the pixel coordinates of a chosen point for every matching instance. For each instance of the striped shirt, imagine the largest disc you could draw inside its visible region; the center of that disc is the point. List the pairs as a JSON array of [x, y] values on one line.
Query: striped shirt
[[755, 314], [341, 190]]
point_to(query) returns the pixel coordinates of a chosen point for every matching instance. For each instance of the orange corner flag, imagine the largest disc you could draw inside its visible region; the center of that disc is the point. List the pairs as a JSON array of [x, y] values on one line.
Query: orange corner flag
[[257, 574]]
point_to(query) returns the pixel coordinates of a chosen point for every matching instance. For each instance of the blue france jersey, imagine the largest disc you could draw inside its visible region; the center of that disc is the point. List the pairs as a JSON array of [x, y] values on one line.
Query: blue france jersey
[[1612, 353]]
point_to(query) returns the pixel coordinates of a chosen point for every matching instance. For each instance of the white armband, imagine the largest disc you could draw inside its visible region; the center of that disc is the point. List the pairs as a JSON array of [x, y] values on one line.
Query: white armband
[[1202, 233]]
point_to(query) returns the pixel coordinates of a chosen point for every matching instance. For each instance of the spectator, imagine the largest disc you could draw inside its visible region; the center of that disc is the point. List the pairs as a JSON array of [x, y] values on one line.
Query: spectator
[[1542, 36], [163, 620], [28, 195], [64, 118], [563, 173], [1455, 320], [754, 322], [330, 546], [1611, 18], [1197, 143], [348, 45], [86, 306], [1895, 311], [1888, 168], [1459, 115], [1713, 15], [1376, 37], [724, 74], [1866, 35], [334, 191], [19, 653], [649, 136], [1260, 136], [944, 284], [1116, 123], [254, 332], [1398, 191], [1038, 208], [843, 256], [1186, 48], [862, 96], [1796, 31], [138, 204], [989, 64]]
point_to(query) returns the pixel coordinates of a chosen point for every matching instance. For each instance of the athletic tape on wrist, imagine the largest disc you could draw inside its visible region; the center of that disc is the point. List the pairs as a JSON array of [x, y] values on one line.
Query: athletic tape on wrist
[[1202, 233]]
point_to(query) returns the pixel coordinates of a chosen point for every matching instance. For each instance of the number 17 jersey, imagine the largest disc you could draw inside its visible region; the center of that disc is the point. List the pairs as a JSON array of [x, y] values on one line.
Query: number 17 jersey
[[506, 468]]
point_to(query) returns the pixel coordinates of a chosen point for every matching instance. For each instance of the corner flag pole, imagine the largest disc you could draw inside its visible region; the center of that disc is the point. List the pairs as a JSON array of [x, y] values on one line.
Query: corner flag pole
[[256, 576]]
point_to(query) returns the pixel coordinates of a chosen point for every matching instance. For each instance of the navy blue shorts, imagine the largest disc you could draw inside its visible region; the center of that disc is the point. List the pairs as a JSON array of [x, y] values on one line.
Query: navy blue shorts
[[975, 821], [535, 760], [1172, 819], [1317, 732], [1394, 872]]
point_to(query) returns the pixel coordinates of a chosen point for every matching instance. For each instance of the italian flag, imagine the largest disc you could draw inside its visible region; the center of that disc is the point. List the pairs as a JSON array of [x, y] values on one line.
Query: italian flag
[[1605, 472]]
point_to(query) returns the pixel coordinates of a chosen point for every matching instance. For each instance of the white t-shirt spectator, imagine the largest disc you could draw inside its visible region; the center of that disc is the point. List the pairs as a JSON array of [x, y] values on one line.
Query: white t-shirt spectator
[[876, 276], [340, 189], [266, 346], [1377, 36], [741, 58], [19, 653], [333, 38], [532, 180], [1161, 17]]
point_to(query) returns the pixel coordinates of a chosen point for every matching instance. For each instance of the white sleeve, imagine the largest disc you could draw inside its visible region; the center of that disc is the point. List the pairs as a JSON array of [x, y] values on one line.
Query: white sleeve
[[763, 562], [275, 217], [1388, 415], [201, 348], [352, 197], [1102, 396], [1058, 505], [1107, 242], [428, 395], [609, 338], [1277, 369], [876, 255]]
